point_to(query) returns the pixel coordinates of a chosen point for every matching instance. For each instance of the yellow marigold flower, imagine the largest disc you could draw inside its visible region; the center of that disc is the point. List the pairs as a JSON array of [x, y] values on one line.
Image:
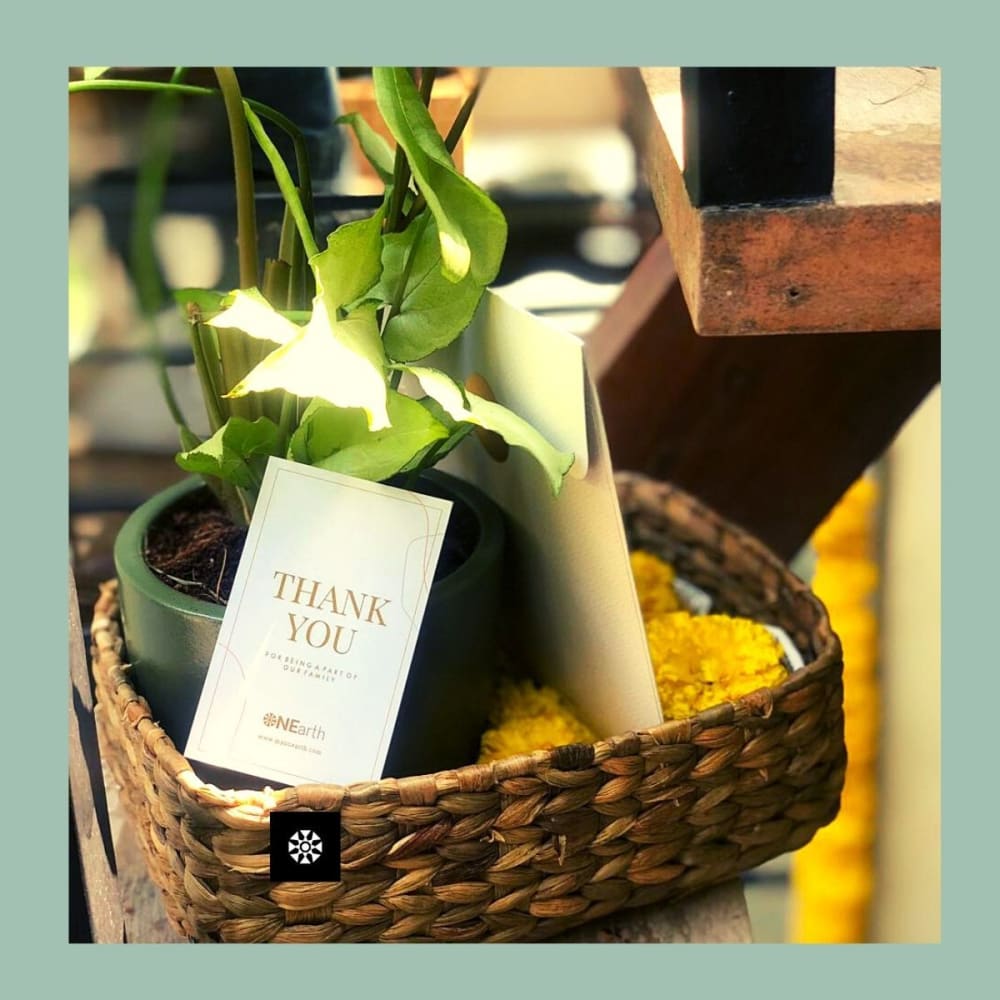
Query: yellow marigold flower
[[847, 529], [840, 884], [529, 717], [654, 582], [829, 923], [705, 660], [859, 798], [840, 582]]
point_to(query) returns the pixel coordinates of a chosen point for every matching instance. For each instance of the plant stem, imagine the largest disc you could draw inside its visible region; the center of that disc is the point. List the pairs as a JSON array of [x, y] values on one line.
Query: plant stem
[[426, 462], [464, 113], [298, 283], [288, 237], [400, 185], [281, 174], [275, 287], [246, 219], [400, 182], [288, 419], [236, 350], [292, 251], [400, 292], [427, 76], [150, 184], [205, 367], [246, 509]]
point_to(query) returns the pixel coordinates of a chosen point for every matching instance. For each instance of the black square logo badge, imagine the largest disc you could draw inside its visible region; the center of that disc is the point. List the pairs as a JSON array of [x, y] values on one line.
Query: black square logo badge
[[305, 846]]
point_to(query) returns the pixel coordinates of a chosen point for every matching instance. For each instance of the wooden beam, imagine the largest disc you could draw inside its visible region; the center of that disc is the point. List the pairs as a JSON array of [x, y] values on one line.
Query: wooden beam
[[868, 259], [770, 431], [87, 796]]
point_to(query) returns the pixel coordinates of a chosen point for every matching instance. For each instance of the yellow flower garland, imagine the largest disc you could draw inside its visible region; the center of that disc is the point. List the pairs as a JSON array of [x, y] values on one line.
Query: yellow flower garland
[[833, 875]]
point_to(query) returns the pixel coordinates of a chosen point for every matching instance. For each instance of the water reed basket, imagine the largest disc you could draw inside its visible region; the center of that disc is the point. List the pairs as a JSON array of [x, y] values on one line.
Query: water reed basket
[[527, 847]]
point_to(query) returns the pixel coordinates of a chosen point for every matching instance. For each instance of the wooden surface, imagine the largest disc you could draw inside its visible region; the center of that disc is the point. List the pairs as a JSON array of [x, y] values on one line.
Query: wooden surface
[[87, 794], [769, 431], [866, 260]]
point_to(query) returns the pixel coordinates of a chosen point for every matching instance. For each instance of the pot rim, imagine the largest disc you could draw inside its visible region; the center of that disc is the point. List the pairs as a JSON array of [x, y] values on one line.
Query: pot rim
[[129, 544]]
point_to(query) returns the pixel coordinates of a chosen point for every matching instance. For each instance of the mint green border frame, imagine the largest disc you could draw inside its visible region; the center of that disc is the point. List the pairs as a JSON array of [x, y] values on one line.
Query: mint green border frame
[[44, 40]]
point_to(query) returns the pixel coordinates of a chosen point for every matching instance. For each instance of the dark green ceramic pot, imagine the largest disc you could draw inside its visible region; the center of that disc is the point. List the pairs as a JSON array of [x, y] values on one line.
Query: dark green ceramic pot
[[170, 637]]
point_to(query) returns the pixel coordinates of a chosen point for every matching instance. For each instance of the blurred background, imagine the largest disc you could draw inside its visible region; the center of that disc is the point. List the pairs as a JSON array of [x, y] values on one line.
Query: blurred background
[[552, 147]]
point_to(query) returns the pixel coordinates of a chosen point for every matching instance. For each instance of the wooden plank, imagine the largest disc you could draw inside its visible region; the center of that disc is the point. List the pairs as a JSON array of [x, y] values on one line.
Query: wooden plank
[[713, 916], [770, 431], [89, 805], [866, 260]]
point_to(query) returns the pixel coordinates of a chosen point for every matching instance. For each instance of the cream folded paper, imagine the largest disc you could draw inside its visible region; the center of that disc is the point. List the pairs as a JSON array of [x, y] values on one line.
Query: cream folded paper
[[573, 615]]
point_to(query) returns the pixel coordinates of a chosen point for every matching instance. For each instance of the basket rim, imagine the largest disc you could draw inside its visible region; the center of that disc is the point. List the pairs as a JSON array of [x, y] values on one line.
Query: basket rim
[[252, 806]]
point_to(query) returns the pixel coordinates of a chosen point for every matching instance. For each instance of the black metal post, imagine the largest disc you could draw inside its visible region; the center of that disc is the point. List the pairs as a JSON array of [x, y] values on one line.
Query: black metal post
[[757, 135]]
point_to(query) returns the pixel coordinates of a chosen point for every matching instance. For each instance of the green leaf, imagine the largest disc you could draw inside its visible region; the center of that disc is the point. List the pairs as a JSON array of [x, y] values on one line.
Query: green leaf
[[189, 440], [462, 405], [351, 262], [236, 452], [432, 311], [327, 360], [457, 433], [472, 231], [249, 311], [449, 395], [94, 72], [374, 147], [338, 439], [206, 303], [517, 432], [339, 361]]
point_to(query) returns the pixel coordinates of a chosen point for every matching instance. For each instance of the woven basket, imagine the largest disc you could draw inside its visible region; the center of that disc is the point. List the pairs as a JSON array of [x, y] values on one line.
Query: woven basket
[[526, 847]]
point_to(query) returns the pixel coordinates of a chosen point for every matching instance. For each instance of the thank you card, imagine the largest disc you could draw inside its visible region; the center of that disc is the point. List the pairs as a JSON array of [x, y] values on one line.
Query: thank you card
[[315, 646]]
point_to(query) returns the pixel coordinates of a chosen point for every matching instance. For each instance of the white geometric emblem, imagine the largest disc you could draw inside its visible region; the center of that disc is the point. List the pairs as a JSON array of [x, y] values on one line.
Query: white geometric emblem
[[305, 846]]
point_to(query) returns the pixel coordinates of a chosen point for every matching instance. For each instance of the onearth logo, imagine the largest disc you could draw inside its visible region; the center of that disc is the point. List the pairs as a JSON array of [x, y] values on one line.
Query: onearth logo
[[272, 720], [305, 847]]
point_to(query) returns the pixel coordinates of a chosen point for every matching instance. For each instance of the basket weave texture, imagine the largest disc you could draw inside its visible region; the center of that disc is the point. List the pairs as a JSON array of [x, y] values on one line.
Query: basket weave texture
[[527, 847]]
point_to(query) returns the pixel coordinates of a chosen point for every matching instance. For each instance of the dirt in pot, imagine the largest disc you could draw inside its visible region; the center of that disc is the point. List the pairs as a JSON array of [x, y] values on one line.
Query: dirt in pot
[[195, 548]]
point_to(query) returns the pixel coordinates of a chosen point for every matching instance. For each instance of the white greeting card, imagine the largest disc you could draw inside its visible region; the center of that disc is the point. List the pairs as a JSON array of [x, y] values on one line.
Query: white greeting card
[[316, 642]]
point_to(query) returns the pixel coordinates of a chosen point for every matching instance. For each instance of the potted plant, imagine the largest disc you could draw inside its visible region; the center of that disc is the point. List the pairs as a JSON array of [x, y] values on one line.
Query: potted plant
[[319, 358]]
